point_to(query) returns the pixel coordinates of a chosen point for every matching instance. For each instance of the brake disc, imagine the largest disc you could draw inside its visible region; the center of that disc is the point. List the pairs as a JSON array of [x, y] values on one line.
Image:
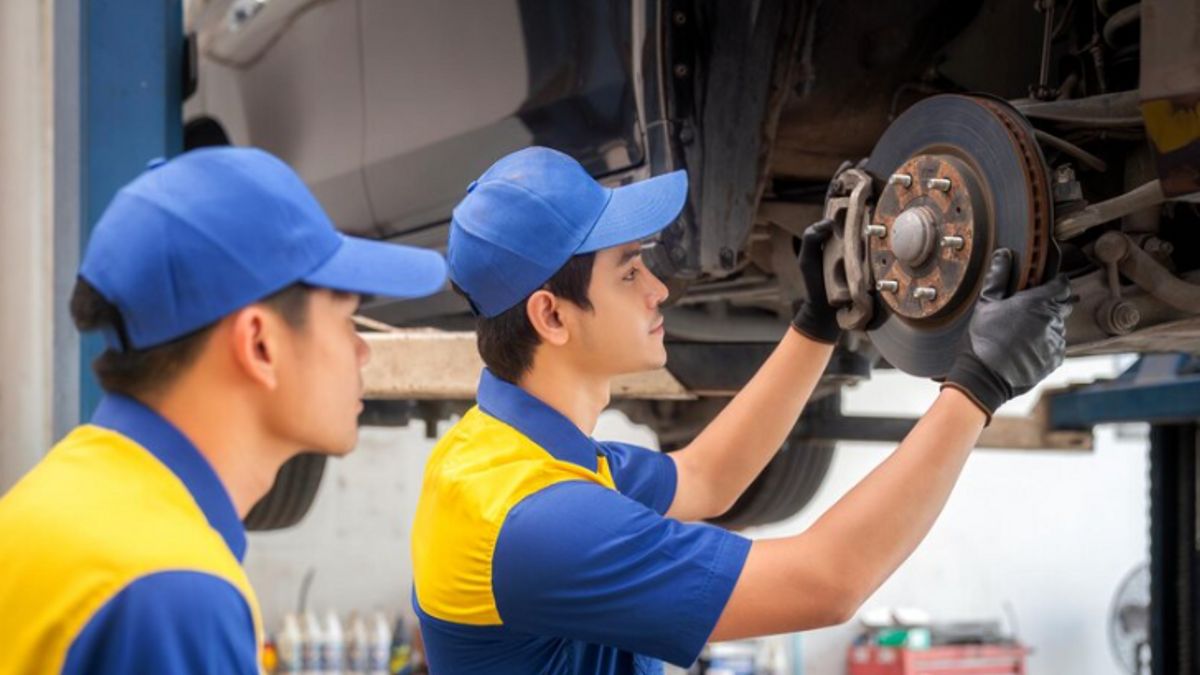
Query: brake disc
[[964, 176]]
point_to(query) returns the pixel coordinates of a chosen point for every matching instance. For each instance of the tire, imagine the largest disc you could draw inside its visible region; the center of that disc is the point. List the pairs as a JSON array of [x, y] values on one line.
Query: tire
[[789, 482], [288, 500], [786, 485]]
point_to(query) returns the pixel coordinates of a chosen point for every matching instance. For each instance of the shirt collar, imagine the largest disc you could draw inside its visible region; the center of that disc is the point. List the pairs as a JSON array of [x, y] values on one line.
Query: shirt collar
[[150, 430], [539, 422]]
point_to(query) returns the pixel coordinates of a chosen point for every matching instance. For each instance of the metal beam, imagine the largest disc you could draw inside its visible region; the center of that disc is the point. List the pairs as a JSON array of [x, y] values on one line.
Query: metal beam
[[431, 365], [68, 69], [1030, 432], [435, 365], [1174, 550], [1159, 388], [132, 104]]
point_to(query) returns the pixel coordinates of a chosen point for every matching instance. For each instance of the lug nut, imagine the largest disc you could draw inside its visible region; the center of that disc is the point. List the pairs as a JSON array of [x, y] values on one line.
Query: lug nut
[[953, 242], [901, 179], [942, 184], [925, 293], [887, 286], [876, 231]]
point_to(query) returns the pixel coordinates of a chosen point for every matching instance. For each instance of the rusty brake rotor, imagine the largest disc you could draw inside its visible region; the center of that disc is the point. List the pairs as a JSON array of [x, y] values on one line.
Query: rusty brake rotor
[[964, 176]]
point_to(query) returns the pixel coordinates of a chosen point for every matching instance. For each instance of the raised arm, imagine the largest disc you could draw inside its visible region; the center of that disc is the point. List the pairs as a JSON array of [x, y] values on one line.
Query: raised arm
[[719, 464], [821, 576], [716, 467]]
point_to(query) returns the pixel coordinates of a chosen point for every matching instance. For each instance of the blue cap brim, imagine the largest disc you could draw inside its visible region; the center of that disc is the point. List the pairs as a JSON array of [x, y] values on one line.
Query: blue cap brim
[[378, 268], [638, 211]]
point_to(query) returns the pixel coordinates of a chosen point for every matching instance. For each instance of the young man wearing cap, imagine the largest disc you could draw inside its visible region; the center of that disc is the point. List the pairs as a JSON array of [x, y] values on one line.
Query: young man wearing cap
[[537, 549], [225, 296]]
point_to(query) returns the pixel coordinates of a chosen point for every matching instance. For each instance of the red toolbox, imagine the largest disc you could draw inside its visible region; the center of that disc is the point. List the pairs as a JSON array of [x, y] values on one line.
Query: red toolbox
[[955, 660]]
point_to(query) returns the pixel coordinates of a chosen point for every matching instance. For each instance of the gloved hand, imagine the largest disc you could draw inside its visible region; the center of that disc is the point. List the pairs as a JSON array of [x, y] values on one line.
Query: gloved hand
[[1013, 341], [816, 318]]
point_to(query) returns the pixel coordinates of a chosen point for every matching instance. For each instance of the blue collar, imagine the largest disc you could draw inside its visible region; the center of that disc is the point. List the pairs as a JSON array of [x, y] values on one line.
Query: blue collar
[[542, 424], [149, 430]]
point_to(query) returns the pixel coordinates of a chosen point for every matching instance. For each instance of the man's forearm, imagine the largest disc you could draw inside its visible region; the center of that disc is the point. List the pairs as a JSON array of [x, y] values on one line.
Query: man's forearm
[[821, 576], [739, 442], [878, 524]]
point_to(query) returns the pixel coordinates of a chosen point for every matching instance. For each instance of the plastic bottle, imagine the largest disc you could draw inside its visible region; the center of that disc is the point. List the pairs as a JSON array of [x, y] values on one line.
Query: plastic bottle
[[289, 643], [313, 638], [333, 647], [379, 636], [358, 646], [269, 663], [401, 662]]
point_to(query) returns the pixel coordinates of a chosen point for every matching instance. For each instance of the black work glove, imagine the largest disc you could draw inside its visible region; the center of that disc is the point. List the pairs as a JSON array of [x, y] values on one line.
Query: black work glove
[[1012, 342], [816, 318]]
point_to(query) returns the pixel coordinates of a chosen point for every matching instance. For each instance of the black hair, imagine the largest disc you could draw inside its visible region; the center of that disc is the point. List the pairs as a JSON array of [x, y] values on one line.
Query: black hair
[[140, 372], [508, 340]]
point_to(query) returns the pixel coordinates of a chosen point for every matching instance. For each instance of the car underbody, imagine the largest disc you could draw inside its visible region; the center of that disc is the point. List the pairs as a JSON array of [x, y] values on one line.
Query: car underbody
[[932, 132]]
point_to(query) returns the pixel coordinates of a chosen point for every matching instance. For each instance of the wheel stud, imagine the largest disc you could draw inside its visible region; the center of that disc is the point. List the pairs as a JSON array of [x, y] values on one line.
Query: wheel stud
[[942, 184], [887, 286], [901, 179], [876, 231], [953, 242], [925, 293]]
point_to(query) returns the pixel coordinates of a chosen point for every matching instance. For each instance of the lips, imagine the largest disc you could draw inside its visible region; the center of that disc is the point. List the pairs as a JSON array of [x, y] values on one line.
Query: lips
[[657, 327]]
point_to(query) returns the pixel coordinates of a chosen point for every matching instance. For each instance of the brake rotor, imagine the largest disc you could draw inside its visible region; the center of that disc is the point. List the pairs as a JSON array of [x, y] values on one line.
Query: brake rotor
[[964, 177]]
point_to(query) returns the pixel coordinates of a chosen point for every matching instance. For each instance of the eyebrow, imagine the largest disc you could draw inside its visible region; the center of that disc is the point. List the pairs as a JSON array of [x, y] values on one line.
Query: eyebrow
[[629, 254], [344, 295]]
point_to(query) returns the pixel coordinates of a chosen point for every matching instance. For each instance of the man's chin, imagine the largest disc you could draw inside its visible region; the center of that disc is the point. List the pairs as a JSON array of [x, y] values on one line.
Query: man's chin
[[340, 449], [653, 362]]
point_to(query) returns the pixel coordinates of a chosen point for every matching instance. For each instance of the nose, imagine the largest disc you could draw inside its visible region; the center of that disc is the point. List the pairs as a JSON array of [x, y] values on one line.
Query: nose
[[657, 292], [362, 350]]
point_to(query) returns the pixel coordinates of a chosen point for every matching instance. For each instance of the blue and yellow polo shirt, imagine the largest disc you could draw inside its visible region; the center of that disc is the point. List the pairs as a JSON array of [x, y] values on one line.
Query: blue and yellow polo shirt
[[537, 549], [122, 554]]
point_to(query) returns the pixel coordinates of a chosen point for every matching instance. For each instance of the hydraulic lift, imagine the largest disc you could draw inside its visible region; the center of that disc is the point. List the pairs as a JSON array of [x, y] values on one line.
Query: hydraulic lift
[[1163, 390]]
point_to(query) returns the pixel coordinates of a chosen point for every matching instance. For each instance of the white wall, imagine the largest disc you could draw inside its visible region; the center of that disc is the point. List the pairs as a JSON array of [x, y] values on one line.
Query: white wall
[[356, 535], [1050, 534]]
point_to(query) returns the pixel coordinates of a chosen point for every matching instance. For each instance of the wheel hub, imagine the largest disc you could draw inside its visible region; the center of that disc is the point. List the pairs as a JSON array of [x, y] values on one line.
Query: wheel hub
[[930, 210], [913, 232]]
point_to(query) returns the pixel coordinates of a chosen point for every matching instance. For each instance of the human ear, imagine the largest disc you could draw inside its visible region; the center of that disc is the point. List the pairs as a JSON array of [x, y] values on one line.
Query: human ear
[[543, 310], [253, 338]]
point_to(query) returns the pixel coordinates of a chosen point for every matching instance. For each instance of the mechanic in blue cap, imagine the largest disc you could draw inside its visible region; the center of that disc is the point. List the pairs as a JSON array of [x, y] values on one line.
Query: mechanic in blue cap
[[226, 297], [537, 549]]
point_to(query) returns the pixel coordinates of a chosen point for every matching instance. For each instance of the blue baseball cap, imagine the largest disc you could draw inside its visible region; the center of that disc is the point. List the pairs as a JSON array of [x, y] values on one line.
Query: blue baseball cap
[[198, 237], [534, 209]]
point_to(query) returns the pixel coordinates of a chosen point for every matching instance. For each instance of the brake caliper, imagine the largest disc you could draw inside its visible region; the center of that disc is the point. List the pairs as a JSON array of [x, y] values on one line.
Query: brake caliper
[[848, 277]]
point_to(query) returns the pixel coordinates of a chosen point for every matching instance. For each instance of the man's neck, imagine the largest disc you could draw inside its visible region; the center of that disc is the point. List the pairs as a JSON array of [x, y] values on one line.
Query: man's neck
[[225, 433], [580, 397]]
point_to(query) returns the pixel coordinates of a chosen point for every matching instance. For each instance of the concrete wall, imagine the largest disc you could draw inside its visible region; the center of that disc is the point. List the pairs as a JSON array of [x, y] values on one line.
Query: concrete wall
[[1048, 535], [26, 234]]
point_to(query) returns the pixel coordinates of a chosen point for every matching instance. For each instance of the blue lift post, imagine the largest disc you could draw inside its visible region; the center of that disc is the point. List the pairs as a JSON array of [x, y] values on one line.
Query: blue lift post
[[1163, 390], [131, 99]]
